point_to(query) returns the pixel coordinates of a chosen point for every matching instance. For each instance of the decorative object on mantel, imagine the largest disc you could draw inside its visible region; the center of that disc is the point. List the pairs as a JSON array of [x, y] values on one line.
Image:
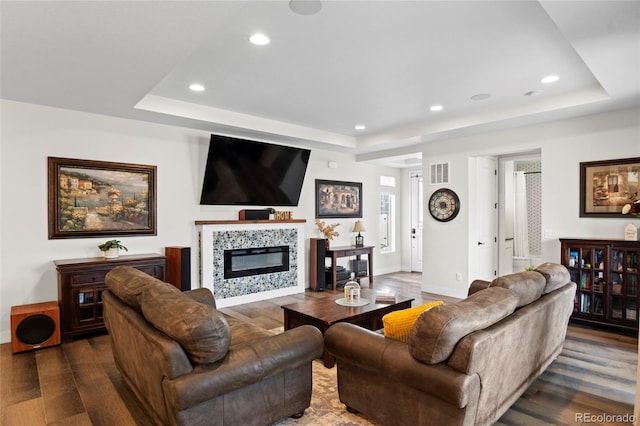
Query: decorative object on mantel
[[359, 227], [283, 215], [631, 232], [329, 231], [111, 249], [272, 212]]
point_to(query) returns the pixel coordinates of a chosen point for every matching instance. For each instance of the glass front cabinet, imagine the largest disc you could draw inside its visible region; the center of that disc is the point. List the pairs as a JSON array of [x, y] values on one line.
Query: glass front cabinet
[[606, 274]]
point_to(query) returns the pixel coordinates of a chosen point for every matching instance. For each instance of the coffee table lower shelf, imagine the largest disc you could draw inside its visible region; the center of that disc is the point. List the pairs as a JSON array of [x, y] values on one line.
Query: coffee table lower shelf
[[324, 312]]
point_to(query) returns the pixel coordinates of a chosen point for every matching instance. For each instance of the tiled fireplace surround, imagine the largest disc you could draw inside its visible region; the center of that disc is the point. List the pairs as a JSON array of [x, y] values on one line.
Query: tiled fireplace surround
[[218, 236]]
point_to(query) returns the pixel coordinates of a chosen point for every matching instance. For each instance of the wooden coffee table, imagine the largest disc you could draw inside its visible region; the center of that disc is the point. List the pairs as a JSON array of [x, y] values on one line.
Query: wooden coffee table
[[324, 312]]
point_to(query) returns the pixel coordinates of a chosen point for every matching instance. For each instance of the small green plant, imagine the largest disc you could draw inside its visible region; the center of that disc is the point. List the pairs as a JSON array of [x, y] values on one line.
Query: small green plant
[[111, 244], [530, 268]]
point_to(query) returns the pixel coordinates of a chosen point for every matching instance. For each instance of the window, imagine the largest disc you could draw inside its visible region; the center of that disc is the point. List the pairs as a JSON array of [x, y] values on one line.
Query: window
[[387, 222]]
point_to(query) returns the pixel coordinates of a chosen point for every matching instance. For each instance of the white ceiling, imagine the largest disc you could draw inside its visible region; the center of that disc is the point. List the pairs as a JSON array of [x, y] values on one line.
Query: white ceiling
[[377, 63]]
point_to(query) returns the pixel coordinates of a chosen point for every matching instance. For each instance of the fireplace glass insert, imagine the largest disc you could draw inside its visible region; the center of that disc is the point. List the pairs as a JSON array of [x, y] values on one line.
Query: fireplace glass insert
[[255, 261]]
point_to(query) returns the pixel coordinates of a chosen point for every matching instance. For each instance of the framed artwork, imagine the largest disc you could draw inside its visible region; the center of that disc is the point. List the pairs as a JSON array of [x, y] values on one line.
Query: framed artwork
[[97, 198], [605, 186], [338, 199]]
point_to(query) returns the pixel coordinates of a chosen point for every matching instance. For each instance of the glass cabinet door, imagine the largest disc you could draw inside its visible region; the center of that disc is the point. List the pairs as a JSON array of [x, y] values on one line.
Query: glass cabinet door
[[586, 266], [624, 284]]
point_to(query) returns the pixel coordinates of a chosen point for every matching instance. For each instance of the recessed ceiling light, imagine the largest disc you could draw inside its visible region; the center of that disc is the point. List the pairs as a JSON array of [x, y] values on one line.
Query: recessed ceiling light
[[550, 79], [360, 127], [305, 7], [480, 97], [259, 39], [196, 87], [435, 108]]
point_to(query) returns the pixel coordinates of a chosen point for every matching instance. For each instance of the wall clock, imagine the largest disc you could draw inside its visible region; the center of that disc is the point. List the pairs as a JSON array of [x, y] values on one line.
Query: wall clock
[[444, 205]]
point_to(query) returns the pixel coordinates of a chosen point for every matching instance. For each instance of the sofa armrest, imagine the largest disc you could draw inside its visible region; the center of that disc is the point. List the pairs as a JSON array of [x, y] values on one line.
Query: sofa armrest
[[477, 285], [202, 295], [247, 364], [391, 358]]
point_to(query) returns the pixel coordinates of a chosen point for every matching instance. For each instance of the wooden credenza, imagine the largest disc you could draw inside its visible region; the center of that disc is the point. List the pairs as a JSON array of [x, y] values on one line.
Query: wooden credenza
[[80, 287]]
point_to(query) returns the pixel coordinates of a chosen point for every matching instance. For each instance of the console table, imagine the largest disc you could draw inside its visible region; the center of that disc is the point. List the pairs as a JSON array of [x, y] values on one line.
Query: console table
[[80, 287], [348, 251]]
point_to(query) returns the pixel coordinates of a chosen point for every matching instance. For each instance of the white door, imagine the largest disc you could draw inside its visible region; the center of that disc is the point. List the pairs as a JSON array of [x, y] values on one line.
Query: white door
[[417, 208], [486, 189]]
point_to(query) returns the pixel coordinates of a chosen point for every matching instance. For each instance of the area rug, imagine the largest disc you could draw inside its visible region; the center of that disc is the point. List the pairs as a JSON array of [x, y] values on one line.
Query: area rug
[[326, 408]]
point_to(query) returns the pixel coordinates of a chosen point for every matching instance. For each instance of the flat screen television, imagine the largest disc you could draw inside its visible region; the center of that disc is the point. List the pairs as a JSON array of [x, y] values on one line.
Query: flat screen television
[[251, 173]]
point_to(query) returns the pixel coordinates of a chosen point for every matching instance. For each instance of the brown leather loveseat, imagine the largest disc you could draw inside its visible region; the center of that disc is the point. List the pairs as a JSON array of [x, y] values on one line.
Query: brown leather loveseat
[[188, 364], [464, 363]]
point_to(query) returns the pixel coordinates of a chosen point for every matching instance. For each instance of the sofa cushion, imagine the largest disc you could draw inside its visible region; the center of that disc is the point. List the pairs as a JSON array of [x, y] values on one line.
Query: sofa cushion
[[128, 283], [436, 332], [201, 330], [555, 274], [527, 285], [398, 324]]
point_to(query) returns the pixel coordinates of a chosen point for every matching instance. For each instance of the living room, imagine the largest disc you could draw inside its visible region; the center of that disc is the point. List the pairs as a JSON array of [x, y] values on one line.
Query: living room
[[32, 131]]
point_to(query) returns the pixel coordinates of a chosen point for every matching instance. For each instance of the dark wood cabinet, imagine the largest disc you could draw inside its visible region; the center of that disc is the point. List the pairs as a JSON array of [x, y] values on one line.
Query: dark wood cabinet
[[607, 275], [80, 287]]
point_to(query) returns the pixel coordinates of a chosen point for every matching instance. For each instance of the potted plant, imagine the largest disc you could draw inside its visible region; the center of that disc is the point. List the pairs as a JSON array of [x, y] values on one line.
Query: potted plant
[[111, 249]]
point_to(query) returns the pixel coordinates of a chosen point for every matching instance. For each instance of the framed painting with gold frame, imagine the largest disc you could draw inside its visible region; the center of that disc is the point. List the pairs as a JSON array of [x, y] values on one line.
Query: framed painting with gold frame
[[97, 198]]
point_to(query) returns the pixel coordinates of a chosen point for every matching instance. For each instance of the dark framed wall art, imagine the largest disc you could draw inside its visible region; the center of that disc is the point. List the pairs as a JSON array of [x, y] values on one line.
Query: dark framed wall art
[[336, 199], [606, 186], [96, 198]]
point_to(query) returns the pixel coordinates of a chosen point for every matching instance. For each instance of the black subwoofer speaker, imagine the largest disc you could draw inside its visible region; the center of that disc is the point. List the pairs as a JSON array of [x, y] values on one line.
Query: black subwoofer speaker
[[35, 326]]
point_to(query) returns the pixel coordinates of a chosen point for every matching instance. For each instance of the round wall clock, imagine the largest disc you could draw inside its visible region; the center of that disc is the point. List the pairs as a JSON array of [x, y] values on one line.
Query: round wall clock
[[444, 205]]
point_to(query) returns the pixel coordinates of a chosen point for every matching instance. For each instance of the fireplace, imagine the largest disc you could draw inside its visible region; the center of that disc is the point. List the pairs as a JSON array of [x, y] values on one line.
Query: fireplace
[[255, 261], [265, 259]]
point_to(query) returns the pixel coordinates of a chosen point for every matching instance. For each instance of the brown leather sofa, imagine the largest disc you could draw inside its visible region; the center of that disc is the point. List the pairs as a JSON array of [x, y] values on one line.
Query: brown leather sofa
[[465, 363], [189, 364]]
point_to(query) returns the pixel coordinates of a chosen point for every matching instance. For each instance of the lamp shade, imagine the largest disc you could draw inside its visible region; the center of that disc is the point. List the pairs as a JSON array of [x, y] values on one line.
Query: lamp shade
[[358, 226]]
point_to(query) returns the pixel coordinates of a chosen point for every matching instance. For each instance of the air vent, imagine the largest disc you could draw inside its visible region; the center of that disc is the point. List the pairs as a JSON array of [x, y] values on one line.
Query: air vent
[[438, 173]]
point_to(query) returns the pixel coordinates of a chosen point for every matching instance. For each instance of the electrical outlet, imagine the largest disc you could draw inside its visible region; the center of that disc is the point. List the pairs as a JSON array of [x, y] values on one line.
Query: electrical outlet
[[458, 276]]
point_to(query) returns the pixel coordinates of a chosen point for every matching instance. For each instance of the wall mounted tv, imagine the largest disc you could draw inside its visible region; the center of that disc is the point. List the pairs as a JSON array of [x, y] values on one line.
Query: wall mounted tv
[[251, 173]]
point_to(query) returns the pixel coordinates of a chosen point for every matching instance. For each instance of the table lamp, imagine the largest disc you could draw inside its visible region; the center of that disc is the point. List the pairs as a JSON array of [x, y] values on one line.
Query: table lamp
[[359, 227]]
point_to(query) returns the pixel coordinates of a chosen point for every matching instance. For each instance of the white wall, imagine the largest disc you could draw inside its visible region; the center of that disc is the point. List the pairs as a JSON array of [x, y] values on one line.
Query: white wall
[[31, 133], [564, 144]]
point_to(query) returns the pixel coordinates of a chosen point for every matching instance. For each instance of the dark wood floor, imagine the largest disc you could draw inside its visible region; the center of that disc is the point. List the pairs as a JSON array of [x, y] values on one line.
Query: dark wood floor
[[77, 383]]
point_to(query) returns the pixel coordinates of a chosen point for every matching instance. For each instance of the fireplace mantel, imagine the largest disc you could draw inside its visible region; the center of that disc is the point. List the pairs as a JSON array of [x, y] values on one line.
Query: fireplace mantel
[[240, 222], [216, 236]]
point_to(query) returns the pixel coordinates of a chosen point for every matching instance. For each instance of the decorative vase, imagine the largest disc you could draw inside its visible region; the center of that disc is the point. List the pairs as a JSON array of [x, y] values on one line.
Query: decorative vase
[[326, 244], [112, 253]]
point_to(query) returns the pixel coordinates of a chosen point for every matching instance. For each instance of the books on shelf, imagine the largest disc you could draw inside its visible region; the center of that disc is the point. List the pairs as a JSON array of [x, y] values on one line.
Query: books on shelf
[[384, 297]]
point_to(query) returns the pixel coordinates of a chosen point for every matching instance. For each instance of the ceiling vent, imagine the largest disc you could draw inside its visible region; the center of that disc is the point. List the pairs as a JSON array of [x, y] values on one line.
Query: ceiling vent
[[438, 173]]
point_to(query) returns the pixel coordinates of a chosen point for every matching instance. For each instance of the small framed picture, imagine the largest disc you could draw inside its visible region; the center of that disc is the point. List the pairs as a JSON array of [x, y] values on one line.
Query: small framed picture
[[606, 186], [335, 199]]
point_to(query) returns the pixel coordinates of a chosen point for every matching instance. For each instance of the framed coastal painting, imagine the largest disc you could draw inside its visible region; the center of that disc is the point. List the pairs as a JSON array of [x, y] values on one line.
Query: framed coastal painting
[[606, 186], [97, 198], [336, 199]]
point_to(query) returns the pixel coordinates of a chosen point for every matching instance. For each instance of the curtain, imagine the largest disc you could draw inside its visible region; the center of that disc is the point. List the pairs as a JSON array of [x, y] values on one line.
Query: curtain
[[520, 223]]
